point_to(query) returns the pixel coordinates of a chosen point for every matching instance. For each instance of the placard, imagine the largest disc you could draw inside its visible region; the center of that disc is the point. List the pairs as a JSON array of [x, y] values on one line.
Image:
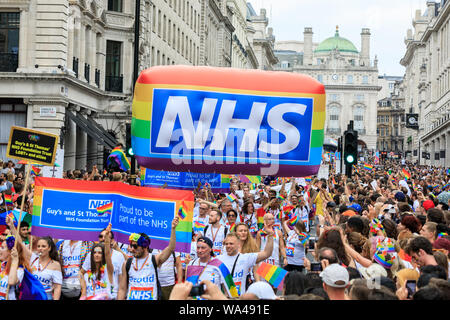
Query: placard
[[32, 145], [70, 211]]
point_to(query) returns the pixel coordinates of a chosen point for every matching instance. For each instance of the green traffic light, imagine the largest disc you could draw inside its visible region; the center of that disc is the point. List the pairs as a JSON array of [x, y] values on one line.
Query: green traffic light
[[350, 159], [130, 152]]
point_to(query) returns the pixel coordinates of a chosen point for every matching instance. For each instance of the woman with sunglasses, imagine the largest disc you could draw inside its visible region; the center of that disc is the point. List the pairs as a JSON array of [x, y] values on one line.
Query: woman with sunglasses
[[231, 220]]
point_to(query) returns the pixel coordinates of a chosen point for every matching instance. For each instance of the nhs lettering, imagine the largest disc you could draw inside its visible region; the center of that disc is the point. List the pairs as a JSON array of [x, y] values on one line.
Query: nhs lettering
[[228, 121]]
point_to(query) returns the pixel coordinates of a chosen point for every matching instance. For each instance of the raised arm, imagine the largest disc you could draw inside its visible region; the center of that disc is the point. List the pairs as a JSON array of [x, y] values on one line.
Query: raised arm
[[165, 254], [108, 255], [267, 252]]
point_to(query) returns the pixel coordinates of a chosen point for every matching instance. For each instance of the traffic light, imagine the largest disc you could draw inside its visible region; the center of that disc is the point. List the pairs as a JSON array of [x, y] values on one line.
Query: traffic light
[[350, 150], [128, 148]]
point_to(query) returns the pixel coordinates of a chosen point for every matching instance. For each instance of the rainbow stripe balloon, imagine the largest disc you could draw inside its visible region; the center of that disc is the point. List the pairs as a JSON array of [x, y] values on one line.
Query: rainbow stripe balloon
[[169, 100]]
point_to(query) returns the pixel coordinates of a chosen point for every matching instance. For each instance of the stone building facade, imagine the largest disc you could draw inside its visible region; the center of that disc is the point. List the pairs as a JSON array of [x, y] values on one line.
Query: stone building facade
[[350, 78], [427, 84], [66, 66]]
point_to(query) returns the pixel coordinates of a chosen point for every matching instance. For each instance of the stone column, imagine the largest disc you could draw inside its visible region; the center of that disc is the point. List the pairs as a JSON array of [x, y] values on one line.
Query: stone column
[[442, 148], [81, 147], [82, 52], [70, 42], [308, 40], [24, 41], [91, 157], [447, 149]]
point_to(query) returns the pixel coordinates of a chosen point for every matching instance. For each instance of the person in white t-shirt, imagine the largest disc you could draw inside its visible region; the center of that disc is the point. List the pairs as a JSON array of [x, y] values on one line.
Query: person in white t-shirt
[[117, 256], [98, 280], [140, 281], [215, 230], [11, 273], [240, 264], [169, 271], [248, 217], [278, 248]]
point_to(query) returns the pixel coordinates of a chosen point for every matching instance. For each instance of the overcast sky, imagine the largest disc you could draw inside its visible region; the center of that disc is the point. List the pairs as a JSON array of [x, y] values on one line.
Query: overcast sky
[[388, 21]]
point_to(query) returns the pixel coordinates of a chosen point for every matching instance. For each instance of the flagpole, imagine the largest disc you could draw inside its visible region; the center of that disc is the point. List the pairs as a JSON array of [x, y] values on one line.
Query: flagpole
[[27, 176]]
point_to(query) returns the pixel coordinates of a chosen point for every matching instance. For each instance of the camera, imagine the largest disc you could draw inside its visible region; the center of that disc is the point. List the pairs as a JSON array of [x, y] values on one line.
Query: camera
[[197, 291], [316, 266], [312, 242]]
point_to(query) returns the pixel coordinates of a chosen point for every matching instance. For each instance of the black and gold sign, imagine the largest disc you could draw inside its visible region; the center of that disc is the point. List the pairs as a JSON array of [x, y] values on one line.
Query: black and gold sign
[[31, 145]]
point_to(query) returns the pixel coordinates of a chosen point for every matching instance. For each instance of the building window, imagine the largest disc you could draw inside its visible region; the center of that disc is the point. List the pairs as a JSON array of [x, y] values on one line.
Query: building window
[[349, 79], [9, 41], [365, 79], [114, 77], [320, 78], [333, 123], [285, 64], [115, 5]]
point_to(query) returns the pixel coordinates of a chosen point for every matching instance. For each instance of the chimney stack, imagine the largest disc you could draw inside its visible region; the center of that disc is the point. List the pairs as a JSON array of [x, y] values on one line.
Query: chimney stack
[[365, 47], [308, 46]]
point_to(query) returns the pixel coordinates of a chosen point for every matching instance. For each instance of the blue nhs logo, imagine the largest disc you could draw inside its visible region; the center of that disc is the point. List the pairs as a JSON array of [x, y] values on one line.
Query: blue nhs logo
[[94, 204], [230, 125]]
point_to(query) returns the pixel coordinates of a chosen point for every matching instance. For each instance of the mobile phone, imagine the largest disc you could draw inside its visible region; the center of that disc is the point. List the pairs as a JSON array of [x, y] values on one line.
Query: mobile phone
[[312, 242], [197, 291], [411, 287], [316, 266]]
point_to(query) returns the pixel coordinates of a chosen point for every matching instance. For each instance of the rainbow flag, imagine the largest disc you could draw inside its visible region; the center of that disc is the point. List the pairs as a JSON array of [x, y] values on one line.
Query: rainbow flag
[[368, 167], [193, 273], [226, 275], [182, 213], [293, 220], [105, 209], [260, 217], [303, 237], [282, 197], [198, 225], [308, 178], [406, 174], [356, 168], [233, 227], [35, 171], [272, 274], [249, 179], [287, 210], [119, 157], [262, 233], [231, 197], [8, 200]]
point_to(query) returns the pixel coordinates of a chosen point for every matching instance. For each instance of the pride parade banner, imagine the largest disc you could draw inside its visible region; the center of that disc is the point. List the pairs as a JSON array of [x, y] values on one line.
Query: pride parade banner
[[223, 120], [80, 210]]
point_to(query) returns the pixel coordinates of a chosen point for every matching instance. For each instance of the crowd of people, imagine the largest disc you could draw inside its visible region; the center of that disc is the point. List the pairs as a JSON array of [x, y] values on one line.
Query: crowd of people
[[381, 234]]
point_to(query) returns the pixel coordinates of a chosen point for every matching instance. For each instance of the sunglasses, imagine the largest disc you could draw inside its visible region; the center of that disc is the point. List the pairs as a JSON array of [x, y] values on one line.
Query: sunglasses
[[134, 246], [231, 215]]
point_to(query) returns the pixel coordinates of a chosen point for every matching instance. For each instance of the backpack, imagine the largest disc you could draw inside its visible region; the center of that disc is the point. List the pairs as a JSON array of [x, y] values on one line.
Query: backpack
[[158, 285]]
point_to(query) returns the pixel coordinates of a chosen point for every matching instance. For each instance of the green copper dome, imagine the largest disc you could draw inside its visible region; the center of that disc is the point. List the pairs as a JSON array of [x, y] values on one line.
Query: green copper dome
[[336, 42]]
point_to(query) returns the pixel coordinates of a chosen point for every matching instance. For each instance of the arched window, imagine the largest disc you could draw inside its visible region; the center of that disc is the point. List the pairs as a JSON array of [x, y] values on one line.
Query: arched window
[[358, 118]]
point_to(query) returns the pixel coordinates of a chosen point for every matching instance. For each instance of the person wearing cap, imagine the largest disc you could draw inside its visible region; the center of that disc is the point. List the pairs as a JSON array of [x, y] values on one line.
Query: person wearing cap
[[199, 266], [427, 205], [335, 279], [139, 274]]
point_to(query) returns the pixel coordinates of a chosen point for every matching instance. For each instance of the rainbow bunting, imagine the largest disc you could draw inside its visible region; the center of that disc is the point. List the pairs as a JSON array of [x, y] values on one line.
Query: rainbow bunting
[[272, 274], [105, 209], [8, 200], [368, 167], [182, 213], [226, 275], [406, 174], [119, 157]]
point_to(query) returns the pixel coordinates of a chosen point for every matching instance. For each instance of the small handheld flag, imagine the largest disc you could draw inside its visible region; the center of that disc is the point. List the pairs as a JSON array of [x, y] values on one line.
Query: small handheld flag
[[260, 217], [368, 167], [272, 274], [35, 171], [406, 174], [293, 220], [8, 200], [182, 213], [231, 197]]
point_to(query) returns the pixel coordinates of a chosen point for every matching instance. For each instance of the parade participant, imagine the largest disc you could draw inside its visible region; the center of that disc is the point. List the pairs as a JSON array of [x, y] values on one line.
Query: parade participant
[[239, 264], [247, 245], [335, 278], [117, 257], [199, 268], [140, 280], [215, 230], [428, 231], [203, 213], [13, 262], [98, 280], [231, 221], [46, 268], [278, 242], [296, 242], [170, 272], [421, 251], [249, 217]]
